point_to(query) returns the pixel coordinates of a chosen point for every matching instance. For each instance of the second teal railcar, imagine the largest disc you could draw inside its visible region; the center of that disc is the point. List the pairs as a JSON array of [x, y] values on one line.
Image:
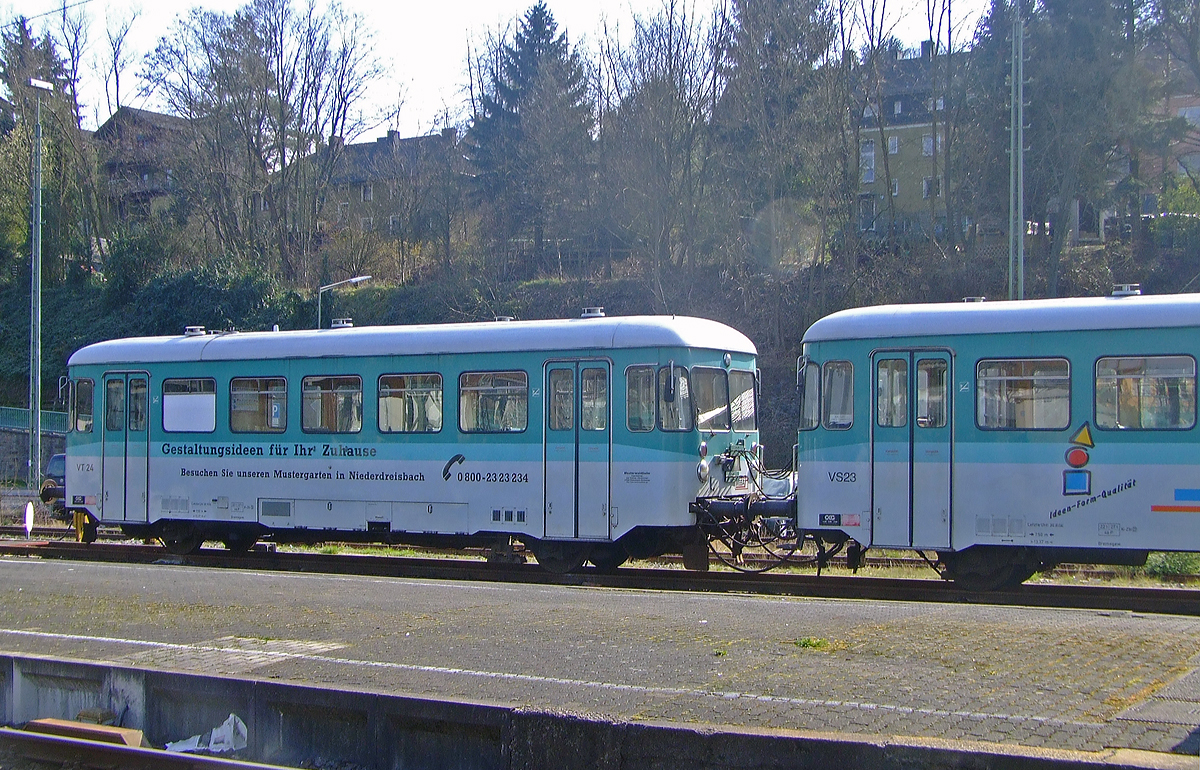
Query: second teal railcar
[[1005, 437]]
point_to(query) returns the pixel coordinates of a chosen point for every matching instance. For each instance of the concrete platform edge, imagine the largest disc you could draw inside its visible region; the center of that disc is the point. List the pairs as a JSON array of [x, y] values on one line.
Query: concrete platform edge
[[290, 722]]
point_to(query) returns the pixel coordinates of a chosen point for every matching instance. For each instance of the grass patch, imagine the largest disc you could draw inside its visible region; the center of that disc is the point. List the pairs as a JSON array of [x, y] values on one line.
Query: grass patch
[[812, 643]]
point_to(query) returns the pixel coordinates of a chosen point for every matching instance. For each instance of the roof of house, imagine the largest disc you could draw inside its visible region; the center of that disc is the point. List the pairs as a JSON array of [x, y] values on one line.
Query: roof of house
[[911, 80], [137, 116], [383, 158]]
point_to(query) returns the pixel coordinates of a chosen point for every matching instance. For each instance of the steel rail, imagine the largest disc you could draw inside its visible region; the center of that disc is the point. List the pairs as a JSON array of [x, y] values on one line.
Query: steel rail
[[1168, 601], [839, 560], [64, 532], [77, 752]]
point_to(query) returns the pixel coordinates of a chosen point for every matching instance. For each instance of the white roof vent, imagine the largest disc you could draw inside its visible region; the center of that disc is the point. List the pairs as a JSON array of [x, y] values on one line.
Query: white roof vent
[[974, 299], [593, 312], [502, 318], [342, 323], [1127, 289], [193, 331]]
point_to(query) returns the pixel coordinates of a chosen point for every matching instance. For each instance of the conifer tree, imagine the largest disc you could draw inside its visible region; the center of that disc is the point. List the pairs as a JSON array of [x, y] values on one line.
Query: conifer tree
[[530, 138]]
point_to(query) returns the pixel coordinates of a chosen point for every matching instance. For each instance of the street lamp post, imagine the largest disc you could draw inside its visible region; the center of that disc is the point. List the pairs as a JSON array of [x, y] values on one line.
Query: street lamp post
[[35, 297], [323, 289]]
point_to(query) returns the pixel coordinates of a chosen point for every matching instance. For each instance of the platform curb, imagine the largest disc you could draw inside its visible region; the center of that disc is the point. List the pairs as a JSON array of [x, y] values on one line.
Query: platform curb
[[291, 722]]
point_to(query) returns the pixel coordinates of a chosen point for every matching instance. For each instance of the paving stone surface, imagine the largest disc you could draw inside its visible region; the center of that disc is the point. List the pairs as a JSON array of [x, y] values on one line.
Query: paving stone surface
[[1057, 679]]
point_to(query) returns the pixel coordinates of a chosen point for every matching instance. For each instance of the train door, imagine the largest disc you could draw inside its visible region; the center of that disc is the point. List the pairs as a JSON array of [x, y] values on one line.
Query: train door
[[577, 449], [910, 449], [126, 447]]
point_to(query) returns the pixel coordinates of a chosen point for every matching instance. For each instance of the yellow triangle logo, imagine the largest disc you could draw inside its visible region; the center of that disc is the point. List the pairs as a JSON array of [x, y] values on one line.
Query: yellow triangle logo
[[1083, 437]]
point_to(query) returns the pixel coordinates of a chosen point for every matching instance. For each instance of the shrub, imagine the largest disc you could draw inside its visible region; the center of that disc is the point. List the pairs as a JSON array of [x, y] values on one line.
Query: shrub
[[1172, 564]]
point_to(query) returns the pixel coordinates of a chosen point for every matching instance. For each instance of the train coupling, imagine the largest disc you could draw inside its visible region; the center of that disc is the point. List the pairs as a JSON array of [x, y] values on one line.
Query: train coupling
[[768, 509]]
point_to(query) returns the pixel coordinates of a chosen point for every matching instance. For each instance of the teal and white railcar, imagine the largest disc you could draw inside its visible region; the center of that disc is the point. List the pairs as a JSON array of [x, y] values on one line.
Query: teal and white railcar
[[1004, 436], [583, 438]]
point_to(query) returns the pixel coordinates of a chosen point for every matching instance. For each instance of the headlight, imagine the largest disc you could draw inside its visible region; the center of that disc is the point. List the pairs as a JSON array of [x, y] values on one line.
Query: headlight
[[702, 471]]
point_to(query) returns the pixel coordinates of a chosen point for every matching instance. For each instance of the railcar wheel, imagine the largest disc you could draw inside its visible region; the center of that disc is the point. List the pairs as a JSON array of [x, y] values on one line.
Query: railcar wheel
[[608, 558], [561, 558], [239, 543], [181, 539], [988, 568], [1019, 574]]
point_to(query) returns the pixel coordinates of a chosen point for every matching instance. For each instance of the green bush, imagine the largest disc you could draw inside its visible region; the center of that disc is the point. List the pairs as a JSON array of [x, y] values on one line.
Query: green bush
[[1172, 564]]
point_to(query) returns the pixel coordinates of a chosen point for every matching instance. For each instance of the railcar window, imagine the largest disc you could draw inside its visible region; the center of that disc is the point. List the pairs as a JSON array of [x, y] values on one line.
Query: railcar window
[[674, 399], [562, 399], [410, 403], [258, 405], [137, 404], [189, 405], [493, 402], [1146, 393], [593, 414], [931, 393], [639, 398], [83, 406], [891, 409], [837, 395], [742, 400], [114, 405], [712, 398], [331, 404], [810, 395], [1023, 394]]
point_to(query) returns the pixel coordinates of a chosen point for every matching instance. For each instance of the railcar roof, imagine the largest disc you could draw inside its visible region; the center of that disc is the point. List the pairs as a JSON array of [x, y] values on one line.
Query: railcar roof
[[430, 339], [1042, 315]]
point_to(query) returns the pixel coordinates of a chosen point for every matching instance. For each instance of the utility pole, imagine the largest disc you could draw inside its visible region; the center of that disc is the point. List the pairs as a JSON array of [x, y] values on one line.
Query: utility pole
[[1016, 158], [35, 298]]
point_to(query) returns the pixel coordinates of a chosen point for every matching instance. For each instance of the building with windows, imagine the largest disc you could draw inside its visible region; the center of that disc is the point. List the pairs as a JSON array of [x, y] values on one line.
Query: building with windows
[[902, 149], [139, 154], [384, 186]]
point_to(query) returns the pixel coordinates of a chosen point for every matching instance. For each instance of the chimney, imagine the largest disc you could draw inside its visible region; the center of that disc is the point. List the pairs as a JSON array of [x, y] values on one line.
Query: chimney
[[336, 143], [926, 49]]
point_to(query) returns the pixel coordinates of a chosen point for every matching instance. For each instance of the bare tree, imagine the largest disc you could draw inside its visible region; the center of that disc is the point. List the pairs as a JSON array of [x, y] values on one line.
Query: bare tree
[[656, 143], [80, 167], [118, 58], [271, 92], [774, 120], [880, 50]]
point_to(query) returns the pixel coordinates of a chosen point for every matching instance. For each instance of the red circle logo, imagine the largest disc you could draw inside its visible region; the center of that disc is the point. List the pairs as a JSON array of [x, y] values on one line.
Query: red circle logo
[[1077, 457]]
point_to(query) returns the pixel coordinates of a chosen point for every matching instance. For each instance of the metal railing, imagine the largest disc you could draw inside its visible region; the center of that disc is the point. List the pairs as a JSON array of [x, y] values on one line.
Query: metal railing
[[17, 418]]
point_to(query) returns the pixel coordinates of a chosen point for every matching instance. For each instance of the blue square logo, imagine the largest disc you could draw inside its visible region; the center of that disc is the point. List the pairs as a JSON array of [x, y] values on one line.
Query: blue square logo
[[1077, 482]]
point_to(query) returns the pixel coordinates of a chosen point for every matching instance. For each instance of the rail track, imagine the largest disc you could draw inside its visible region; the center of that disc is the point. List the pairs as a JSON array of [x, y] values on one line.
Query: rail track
[[1101, 572], [1171, 601]]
